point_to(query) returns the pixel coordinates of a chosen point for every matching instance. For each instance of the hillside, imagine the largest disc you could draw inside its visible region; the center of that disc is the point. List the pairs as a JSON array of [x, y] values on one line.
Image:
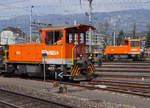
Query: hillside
[[124, 20]]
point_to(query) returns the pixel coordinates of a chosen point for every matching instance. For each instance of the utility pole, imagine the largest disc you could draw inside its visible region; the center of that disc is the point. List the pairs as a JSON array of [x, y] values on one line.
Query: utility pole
[[114, 34], [90, 23], [31, 24]]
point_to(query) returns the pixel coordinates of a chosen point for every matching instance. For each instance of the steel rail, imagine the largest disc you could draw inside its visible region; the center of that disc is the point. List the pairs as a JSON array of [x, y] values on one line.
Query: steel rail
[[134, 84], [143, 88], [39, 99], [121, 63], [9, 104], [105, 89], [122, 66], [123, 76]]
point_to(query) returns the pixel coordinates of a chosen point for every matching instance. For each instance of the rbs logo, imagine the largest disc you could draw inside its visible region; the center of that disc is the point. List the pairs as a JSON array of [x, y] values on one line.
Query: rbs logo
[[50, 52]]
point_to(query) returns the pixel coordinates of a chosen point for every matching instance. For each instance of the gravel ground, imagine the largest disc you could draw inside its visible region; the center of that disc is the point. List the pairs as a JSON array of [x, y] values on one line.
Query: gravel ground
[[75, 96]]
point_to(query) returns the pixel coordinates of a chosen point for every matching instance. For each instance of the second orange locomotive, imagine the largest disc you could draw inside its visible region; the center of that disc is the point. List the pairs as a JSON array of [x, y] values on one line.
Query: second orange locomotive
[[132, 48]]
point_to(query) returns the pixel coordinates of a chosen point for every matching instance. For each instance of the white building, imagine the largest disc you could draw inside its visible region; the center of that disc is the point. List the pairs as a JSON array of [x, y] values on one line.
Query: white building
[[97, 41], [11, 35]]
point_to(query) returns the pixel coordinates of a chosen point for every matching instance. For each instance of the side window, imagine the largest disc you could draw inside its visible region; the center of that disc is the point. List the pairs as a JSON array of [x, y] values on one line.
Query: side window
[[134, 43], [142, 44], [69, 37], [53, 37], [82, 38], [49, 38], [76, 38]]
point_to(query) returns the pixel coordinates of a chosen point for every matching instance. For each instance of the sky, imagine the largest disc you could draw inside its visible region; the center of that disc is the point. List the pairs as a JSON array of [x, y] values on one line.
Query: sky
[[13, 8]]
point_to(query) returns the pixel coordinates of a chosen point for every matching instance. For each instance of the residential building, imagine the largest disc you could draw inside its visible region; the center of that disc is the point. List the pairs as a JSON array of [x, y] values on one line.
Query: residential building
[[11, 35], [141, 36], [98, 41]]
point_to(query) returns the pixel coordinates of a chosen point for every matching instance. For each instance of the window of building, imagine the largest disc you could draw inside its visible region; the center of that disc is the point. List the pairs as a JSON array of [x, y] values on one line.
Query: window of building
[[134, 43], [53, 37]]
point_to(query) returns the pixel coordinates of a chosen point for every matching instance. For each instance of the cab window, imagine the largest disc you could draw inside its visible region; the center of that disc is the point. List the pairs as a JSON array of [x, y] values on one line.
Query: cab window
[[82, 38], [69, 37], [53, 37], [134, 43], [76, 38]]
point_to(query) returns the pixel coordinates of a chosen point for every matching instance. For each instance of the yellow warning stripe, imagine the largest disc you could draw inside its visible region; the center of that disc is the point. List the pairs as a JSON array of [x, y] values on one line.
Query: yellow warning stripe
[[73, 69], [89, 68], [92, 67], [78, 72]]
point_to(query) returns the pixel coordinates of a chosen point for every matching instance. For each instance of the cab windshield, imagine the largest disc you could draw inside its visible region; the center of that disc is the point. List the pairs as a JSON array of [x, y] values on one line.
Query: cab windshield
[[134, 43]]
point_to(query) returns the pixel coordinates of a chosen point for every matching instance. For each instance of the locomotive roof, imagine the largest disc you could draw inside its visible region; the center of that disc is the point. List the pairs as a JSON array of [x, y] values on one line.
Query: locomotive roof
[[67, 27], [132, 39]]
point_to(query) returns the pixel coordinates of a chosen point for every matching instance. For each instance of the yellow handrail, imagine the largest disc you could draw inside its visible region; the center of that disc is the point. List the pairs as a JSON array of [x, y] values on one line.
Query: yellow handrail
[[62, 55], [95, 54], [5, 56], [73, 55]]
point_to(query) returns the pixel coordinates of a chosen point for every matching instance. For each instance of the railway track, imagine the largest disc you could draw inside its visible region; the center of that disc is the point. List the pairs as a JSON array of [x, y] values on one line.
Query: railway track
[[130, 88], [4, 104], [123, 84], [123, 70], [124, 76], [125, 88], [116, 70], [9, 99], [117, 86], [127, 63], [127, 66]]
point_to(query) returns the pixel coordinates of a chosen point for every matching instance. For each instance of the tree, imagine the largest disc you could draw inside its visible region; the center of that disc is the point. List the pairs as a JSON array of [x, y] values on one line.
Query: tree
[[147, 44], [120, 37]]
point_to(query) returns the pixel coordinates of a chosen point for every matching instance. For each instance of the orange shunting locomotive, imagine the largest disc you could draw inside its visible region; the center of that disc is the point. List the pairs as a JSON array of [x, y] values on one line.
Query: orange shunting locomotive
[[62, 49], [133, 48]]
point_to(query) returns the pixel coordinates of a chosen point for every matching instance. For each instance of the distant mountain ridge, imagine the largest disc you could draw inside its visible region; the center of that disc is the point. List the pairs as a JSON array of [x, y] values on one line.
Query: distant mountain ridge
[[123, 19]]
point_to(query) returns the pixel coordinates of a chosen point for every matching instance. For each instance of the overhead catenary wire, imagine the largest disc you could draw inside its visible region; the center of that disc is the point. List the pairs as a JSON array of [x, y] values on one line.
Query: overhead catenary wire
[[68, 6]]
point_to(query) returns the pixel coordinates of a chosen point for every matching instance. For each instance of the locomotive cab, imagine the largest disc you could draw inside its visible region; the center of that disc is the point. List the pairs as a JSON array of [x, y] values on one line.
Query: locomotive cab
[[68, 45], [136, 49], [65, 54]]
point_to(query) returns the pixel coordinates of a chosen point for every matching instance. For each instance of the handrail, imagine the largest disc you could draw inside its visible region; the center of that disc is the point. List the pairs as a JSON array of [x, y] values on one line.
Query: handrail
[[62, 55], [5, 55], [73, 54]]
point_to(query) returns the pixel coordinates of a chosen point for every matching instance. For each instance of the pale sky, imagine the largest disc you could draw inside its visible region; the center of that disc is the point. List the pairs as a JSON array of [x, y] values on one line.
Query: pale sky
[[12, 8]]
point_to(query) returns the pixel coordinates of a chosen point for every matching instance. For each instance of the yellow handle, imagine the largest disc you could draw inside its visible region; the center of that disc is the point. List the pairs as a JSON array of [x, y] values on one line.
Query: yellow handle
[[5, 56], [73, 55], [62, 55]]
